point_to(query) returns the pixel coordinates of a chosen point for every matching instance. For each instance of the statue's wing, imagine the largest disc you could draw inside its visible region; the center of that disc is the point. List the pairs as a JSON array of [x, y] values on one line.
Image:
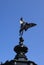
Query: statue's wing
[[29, 25], [26, 26]]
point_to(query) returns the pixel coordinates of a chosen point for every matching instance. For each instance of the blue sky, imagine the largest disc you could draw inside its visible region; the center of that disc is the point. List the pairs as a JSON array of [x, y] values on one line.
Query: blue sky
[[10, 13]]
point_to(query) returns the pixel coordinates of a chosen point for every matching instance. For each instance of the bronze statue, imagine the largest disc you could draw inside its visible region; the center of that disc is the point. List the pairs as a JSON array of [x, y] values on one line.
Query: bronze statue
[[25, 26]]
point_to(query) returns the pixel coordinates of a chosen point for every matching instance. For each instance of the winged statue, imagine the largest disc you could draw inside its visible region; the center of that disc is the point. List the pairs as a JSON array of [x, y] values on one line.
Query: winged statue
[[25, 26]]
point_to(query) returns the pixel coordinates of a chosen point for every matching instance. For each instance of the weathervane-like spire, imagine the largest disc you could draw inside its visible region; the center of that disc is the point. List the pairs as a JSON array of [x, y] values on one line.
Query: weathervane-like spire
[[21, 49], [24, 26]]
